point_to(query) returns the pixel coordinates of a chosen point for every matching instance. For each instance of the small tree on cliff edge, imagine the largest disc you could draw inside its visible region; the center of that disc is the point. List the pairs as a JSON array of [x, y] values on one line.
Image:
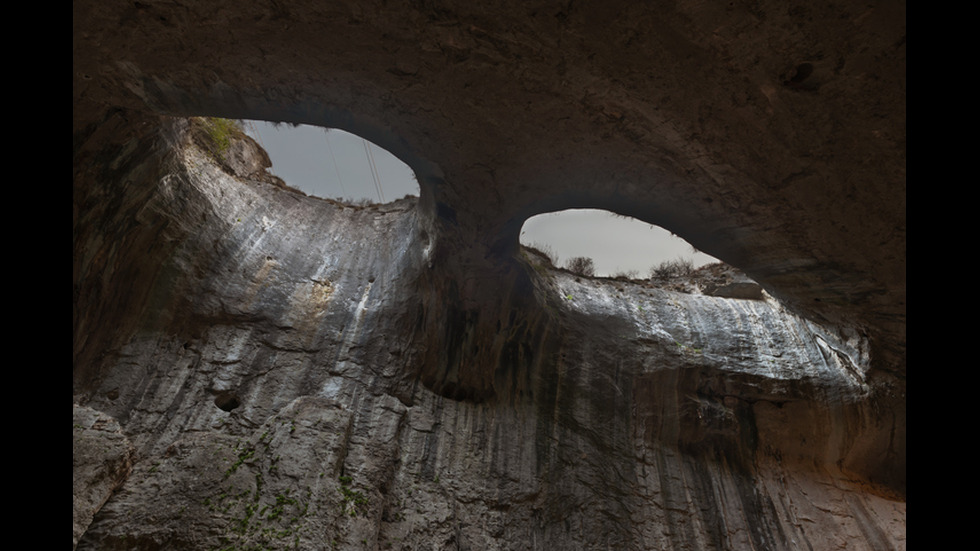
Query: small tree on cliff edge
[[581, 265]]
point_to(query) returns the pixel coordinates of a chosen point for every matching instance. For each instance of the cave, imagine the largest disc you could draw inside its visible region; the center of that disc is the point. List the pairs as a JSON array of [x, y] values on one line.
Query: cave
[[318, 162], [617, 246], [256, 368]]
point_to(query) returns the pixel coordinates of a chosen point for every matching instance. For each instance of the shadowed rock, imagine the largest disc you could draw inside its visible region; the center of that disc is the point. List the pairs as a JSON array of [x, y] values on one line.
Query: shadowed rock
[[298, 372]]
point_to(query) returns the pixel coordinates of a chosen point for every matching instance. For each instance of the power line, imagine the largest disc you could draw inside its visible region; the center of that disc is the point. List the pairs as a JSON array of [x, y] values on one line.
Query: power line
[[374, 170], [335, 166]]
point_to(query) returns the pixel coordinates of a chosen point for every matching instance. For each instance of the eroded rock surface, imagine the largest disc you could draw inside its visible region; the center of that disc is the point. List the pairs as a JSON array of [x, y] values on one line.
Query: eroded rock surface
[[279, 382], [102, 460], [290, 372]]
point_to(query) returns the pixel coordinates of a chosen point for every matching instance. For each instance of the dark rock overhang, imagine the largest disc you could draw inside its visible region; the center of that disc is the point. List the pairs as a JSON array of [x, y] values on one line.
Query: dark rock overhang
[[770, 136]]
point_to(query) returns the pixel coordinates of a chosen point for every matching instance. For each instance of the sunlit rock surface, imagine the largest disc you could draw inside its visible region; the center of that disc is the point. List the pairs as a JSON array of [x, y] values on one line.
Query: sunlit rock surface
[[257, 368], [278, 386]]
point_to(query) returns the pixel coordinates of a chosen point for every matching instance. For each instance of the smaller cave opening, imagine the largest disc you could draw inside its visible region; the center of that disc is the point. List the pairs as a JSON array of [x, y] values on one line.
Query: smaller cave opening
[[605, 244], [332, 163]]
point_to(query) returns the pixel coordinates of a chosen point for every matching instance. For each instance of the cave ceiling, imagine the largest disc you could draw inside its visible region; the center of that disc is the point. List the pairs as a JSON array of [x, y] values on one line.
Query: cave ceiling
[[768, 134]]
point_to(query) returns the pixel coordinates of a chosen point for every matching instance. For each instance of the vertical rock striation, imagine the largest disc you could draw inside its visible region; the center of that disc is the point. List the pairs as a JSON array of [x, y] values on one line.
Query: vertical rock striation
[[291, 372], [254, 368]]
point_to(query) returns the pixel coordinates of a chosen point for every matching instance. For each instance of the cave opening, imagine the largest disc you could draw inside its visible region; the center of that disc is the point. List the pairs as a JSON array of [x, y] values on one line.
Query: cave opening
[[333, 164], [613, 245]]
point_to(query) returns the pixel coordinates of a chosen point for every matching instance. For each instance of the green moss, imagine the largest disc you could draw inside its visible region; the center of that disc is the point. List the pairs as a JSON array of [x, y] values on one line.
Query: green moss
[[244, 455], [216, 135], [354, 501], [259, 516], [221, 132]]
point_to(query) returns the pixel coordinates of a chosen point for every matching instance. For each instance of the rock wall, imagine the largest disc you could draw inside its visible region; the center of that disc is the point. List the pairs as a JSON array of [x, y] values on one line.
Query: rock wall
[[253, 368], [290, 372], [767, 134]]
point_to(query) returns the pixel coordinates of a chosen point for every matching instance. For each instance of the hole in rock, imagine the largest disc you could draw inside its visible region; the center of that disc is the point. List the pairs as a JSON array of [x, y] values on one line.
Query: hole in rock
[[227, 401], [332, 163], [616, 245]]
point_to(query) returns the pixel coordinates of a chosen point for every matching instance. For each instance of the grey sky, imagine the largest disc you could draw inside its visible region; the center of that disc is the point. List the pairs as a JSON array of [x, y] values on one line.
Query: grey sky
[[336, 164], [614, 243], [332, 164]]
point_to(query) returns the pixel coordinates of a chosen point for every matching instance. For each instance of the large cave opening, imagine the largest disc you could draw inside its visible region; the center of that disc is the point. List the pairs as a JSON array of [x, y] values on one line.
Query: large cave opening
[[332, 163]]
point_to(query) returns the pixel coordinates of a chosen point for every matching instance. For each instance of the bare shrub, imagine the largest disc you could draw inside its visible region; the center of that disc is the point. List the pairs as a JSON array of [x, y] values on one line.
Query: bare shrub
[[546, 251], [669, 269], [360, 203], [581, 265]]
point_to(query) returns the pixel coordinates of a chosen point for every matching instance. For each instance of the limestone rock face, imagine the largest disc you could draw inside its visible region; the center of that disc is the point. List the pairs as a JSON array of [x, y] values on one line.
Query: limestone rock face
[[102, 460], [254, 368]]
